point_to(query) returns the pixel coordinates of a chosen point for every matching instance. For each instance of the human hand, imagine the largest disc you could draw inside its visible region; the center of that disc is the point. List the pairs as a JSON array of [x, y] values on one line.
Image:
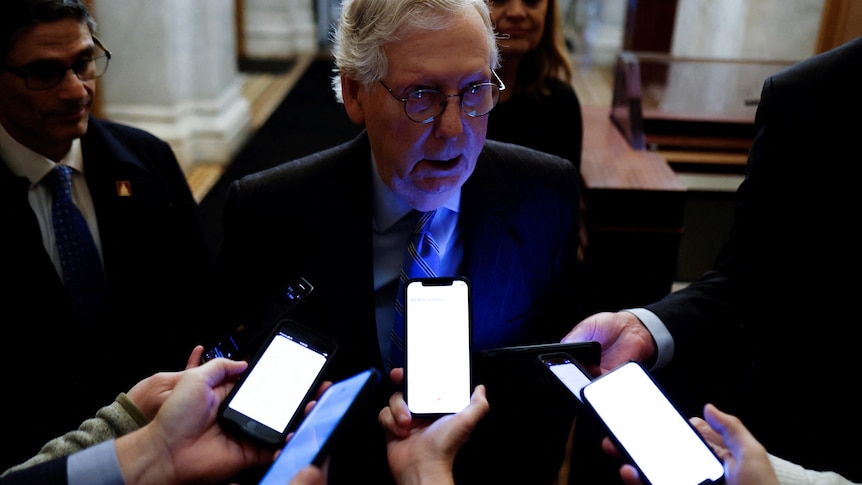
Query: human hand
[[622, 336], [421, 450], [149, 394], [310, 475], [184, 443], [746, 461]]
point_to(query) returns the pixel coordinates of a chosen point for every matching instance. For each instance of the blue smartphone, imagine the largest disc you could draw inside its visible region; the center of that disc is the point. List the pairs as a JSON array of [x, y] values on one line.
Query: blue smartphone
[[315, 434]]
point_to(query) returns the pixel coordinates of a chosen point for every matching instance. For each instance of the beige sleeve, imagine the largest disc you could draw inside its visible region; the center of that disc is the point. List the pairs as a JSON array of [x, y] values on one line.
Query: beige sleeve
[[120, 417]]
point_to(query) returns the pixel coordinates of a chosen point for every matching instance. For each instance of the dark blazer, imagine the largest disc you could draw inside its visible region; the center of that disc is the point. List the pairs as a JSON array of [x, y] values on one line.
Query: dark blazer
[[551, 123], [519, 218], [52, 472], [62, 371], [778, 307]]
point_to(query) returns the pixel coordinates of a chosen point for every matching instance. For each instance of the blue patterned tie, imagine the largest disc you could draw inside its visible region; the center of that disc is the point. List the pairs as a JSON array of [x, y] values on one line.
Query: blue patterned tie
[[421, 260], [82, 268]]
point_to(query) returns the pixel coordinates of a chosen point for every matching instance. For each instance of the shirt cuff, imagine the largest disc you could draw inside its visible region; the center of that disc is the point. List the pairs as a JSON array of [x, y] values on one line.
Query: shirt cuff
[[96, 465], [660, 333]]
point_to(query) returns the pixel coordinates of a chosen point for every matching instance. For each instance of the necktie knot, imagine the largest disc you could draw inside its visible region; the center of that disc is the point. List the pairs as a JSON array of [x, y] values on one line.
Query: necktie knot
[[59, 181]]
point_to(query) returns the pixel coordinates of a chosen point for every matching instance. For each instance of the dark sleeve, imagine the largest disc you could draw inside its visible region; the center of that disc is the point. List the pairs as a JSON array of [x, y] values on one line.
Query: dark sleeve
[[50, 472]]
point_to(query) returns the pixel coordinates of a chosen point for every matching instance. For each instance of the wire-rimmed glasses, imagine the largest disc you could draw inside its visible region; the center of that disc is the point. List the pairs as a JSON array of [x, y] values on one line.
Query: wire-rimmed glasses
[[426, 105], [46, 75]]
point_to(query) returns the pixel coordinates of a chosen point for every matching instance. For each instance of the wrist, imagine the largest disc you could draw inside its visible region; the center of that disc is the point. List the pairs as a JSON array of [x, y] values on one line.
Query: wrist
[[427, 473], [144, 458]]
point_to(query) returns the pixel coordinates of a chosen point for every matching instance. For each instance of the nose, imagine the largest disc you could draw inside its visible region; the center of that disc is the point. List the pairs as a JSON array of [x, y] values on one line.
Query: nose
[[71, 87], [515, 8], [450, 124]]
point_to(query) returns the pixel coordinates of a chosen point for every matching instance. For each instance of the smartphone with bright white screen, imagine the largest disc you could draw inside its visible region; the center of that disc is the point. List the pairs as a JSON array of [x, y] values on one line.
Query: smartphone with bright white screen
[[649, 429], [323, 424], [269, 398], [567, 370], [437, 360]]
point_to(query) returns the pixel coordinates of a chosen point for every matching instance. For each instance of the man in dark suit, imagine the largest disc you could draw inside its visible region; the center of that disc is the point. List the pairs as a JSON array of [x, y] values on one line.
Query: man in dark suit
[[134, 197], [769, 332], [507, 219]]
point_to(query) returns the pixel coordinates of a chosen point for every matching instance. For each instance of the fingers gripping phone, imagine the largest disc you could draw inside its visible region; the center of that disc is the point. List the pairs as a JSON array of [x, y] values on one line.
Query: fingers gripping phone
[[270, 396], [437, 361], [647, 427], [326, 420]]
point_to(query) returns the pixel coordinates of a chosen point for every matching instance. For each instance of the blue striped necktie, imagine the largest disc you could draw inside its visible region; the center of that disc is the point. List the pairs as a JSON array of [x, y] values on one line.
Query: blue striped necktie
[[422, 260], [82, 268]]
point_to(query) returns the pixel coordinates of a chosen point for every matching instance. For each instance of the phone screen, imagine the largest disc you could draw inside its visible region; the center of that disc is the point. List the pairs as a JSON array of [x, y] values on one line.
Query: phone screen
[[437, 345], [311, 440], [567, 371], [660, 441], [271, 394]]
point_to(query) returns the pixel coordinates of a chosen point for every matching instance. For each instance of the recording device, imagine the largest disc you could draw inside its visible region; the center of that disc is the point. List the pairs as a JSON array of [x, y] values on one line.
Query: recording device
[[661, 443], [246, 338], [270, 396], [437, 360], [321, 427]]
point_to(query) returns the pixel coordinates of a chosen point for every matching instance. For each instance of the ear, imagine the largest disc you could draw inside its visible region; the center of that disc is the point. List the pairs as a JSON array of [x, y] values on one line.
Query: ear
[[354, 95]]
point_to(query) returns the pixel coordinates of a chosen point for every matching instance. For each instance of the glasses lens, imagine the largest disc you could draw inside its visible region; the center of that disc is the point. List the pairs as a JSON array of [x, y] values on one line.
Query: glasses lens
[[43, 77], [424, 105], [480, 99]]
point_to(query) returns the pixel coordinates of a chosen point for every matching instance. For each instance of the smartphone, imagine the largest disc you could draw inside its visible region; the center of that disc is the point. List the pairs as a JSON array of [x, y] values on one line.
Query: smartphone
[[246, 337], [660, 442], [323, 424], [269, 398], [566, 370], [437, 360]]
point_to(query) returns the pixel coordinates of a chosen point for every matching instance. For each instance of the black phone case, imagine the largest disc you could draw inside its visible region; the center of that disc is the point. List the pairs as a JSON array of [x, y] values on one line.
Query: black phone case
[[247, 336], [240, 423]]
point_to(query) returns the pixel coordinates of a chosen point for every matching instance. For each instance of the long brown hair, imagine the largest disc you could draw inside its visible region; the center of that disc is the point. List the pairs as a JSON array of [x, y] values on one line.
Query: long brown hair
[[550, 59]]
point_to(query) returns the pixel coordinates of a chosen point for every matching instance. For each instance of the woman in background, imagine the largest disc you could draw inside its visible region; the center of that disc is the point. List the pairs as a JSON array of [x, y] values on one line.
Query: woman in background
[[539, 108]]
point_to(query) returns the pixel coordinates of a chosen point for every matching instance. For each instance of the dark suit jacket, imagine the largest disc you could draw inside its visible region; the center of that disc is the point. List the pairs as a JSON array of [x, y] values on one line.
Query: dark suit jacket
[[51, 472], [61, 371], [786, 279], [519, 218]]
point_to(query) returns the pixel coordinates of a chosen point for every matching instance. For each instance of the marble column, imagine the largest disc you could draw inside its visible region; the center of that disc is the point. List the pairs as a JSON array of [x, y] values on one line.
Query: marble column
[[174, 73], [784, 30], [276, 29]]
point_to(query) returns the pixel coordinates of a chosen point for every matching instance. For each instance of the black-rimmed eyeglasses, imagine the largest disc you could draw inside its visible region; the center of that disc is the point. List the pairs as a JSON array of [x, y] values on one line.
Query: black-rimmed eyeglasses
[[47, 74], [425, 105]]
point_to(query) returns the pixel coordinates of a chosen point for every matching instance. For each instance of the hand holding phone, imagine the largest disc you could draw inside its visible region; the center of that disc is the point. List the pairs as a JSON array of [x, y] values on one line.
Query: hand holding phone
[[437, 361], [270, 396], [647, 427]]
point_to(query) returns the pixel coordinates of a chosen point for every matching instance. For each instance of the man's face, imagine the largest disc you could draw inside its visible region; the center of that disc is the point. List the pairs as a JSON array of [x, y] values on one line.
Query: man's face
[[46, 121], [426, 163]]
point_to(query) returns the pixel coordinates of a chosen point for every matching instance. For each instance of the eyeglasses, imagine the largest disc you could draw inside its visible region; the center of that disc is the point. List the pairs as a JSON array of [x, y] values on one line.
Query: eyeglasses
[[46, 75], [426, 105]]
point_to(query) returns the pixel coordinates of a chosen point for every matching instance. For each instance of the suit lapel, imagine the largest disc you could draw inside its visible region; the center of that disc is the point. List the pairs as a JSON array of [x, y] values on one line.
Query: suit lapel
[[492, 245]]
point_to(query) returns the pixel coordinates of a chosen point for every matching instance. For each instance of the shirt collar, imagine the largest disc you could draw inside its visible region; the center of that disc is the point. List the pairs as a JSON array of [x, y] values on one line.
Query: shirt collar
[[24, 162], [389, 207]]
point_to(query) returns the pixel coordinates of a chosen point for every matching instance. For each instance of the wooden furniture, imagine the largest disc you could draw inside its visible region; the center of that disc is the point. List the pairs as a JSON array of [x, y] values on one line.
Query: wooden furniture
[[634, 207], [691, 110]]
